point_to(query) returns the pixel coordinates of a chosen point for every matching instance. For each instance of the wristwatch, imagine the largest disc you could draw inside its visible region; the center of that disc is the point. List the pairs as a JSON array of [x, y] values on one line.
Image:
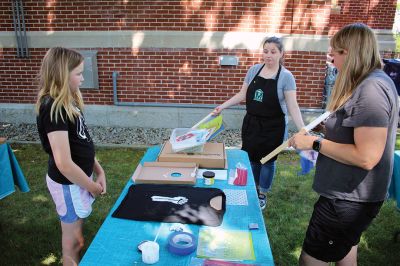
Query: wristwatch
[[316, 146]]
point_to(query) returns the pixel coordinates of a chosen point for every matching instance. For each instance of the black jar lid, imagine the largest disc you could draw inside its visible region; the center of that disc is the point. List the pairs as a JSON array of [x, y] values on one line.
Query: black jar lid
[[208, 174]]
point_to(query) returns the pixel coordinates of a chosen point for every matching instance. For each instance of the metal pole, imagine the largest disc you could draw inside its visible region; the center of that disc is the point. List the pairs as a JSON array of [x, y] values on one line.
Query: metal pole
[[25, 40], [15, 14]]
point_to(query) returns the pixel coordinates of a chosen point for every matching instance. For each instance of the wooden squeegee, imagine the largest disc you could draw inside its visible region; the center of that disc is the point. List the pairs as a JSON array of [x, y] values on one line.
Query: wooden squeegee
[[285, 144]]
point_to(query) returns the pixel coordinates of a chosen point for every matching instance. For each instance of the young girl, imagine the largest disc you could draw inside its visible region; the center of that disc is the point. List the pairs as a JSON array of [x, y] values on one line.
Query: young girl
[[64, 136]]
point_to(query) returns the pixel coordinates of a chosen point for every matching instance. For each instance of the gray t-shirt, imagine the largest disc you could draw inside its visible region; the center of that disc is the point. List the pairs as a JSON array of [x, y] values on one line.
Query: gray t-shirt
[[373, 104], [286, 82]]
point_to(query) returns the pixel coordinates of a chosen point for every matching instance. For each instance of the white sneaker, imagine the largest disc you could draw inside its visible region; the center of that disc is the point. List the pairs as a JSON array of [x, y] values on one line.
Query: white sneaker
[[263, 201]]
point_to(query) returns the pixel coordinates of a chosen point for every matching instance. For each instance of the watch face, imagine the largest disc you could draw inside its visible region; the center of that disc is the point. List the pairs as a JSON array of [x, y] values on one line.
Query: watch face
[[316, 145]]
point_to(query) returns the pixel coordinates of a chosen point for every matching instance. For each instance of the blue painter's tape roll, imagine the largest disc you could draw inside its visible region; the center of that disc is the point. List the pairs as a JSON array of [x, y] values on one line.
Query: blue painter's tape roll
[[181, 243]]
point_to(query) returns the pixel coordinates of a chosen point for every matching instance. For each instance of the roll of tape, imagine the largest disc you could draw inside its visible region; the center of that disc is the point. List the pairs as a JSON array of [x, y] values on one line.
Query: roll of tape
[[181, 243]]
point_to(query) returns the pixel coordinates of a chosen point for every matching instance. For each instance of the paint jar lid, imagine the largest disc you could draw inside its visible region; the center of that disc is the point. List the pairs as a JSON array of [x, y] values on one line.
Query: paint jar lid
[[208, 174]]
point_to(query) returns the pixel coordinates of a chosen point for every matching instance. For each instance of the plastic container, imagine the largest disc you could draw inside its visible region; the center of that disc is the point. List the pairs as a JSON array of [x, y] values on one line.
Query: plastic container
[[392, 69], [187, 140], [208, 178]]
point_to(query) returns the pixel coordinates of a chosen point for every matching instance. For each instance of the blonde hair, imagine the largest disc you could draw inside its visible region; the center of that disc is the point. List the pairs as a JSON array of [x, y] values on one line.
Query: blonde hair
[[362, 58], [54, 74]]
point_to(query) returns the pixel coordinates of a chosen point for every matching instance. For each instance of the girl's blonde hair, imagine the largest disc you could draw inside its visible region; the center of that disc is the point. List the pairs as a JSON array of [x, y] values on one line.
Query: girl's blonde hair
[[54, 74], [362, 58]]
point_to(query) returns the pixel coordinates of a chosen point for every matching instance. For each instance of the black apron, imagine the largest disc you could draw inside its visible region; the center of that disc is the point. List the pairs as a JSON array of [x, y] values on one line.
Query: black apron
[[264, 125]]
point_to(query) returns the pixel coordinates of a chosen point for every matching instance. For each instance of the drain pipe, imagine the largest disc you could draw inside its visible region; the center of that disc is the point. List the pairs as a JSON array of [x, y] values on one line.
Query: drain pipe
[[115, 75], [19, 28]]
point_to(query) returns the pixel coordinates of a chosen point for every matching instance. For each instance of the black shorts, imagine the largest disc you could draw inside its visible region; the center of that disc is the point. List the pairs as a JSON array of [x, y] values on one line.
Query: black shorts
[[336, 226]]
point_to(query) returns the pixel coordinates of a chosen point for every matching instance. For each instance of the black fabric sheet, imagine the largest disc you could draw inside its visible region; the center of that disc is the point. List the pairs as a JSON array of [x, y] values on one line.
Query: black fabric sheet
[[172, 204]]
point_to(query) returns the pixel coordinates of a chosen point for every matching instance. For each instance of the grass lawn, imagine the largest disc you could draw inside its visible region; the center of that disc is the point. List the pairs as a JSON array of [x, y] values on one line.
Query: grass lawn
[[30, 231], [290, 206], [29, 228]]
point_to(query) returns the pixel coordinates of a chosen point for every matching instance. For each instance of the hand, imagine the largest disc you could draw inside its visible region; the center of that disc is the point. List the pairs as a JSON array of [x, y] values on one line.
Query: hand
[[96, 189], [101, 179], [217, 110], [302, 141], [100, 176]]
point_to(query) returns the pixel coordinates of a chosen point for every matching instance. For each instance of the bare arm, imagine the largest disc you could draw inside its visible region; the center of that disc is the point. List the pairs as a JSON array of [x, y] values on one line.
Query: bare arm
[[62, 155], [366, 152], [100, 175], [236, 99], [293, 108]]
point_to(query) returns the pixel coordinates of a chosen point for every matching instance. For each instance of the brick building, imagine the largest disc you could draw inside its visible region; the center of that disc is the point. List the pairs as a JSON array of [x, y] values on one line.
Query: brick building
[[159, 62]]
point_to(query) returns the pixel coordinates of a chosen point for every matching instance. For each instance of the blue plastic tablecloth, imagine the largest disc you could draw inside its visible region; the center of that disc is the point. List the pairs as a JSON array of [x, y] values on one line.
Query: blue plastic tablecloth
[[117, 239], [10, 173], [394, 189]]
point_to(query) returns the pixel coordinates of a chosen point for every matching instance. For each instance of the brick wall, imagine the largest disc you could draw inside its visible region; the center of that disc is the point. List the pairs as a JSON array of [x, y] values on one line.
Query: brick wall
[[182, 75], [283, 16], [377, 14], [163, 75]]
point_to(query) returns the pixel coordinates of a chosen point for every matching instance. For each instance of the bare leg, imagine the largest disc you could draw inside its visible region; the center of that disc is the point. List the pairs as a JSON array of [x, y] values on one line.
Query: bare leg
[[72, 242], [307, 260], [350, 259]]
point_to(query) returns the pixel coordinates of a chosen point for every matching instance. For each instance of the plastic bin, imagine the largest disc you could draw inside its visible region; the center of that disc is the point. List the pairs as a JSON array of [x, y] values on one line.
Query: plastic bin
[[392, 68], [187, 140]]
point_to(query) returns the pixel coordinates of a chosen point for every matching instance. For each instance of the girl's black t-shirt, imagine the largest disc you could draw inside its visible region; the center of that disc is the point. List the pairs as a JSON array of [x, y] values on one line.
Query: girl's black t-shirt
[[80, 142]]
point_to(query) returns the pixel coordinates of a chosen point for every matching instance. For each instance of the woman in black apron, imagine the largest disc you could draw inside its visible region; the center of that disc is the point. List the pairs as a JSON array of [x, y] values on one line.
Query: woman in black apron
[[264, 125]]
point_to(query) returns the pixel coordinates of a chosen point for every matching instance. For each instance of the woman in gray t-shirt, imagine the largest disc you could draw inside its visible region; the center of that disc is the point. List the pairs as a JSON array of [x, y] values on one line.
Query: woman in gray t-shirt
[[355, 158]]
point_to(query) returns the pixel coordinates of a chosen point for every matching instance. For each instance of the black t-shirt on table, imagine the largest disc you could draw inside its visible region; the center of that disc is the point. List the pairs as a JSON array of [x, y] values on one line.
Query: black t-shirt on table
[[172, 204], [81, 144]]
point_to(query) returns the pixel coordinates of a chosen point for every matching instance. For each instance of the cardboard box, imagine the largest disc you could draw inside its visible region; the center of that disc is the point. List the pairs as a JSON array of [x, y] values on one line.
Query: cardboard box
[[165, 173], [213, 156]]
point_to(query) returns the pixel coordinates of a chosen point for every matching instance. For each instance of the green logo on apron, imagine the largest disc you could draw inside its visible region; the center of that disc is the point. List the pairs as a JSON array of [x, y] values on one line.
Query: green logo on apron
[[258, 95]]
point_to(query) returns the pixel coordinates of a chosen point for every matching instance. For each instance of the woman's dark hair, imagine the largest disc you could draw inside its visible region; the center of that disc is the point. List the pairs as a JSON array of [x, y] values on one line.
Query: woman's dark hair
[[277, 41]]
